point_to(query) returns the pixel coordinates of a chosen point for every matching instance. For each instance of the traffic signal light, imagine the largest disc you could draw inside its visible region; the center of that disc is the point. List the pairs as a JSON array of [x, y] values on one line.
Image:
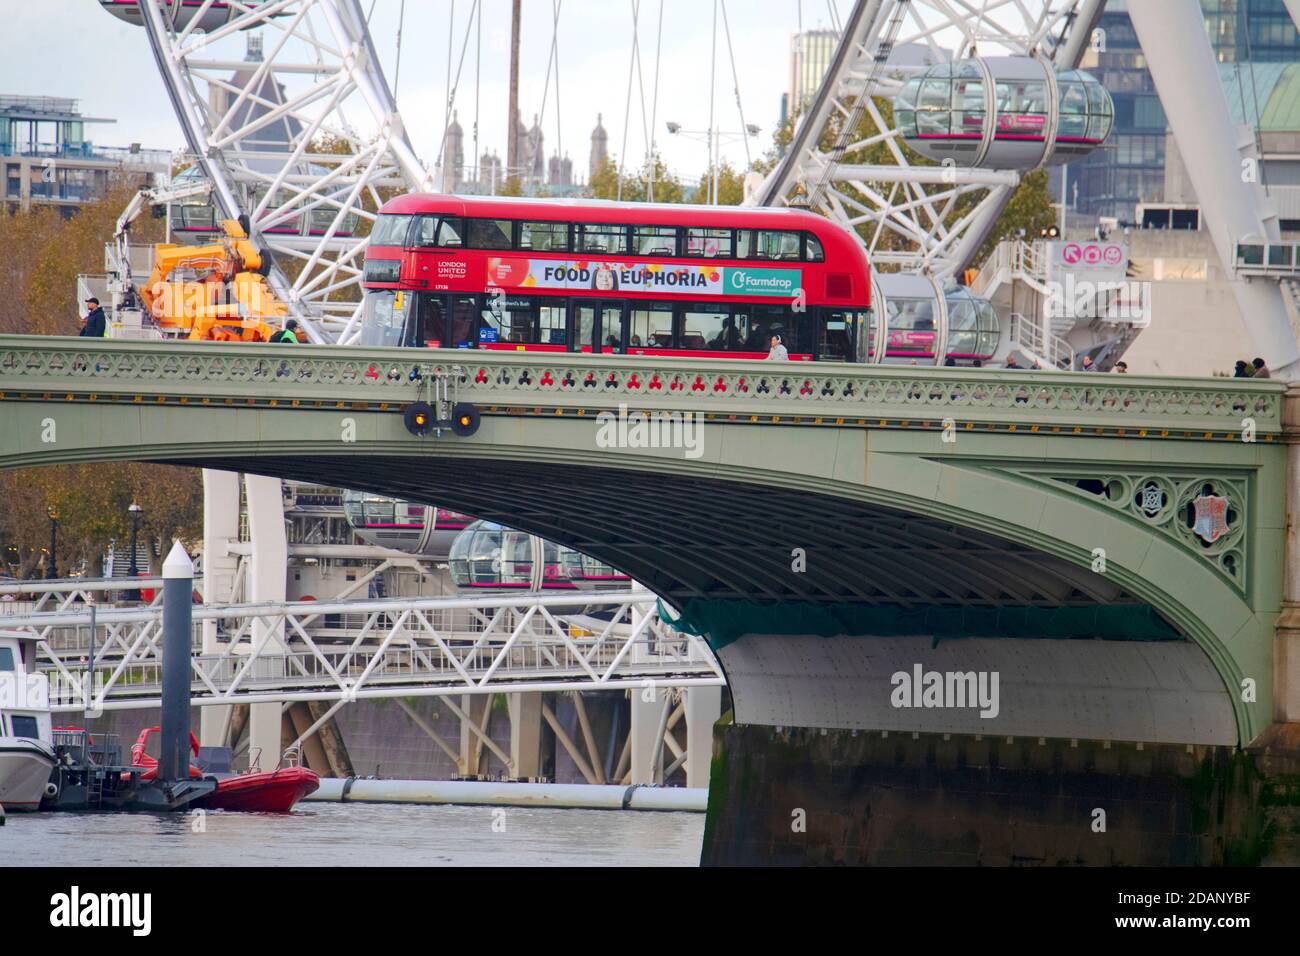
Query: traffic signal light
[[464, 419], [418, 418]]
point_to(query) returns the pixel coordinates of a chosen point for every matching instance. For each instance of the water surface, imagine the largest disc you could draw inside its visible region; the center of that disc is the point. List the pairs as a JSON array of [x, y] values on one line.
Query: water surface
[[333, 834]]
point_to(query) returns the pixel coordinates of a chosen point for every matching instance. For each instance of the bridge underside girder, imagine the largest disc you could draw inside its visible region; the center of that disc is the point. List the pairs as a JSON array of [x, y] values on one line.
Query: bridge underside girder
[[722, 540]]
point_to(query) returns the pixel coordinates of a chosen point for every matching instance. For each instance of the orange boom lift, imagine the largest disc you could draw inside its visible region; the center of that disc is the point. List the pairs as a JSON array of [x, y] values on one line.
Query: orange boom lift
[[216, 292]]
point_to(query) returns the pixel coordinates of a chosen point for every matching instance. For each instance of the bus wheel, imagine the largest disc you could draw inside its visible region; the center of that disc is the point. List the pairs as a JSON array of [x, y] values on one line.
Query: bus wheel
[[465, 419], [418, 418]]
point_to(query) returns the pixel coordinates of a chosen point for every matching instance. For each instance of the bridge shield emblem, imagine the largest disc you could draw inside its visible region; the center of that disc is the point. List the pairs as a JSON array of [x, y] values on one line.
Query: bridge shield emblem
[[1210, 517]]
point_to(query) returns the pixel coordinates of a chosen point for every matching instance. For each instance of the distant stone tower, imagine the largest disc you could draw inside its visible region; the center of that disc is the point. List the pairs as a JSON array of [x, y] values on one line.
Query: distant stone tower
[[599, 148], [566, 171], [535, 165], [489, 172], [453, 161]]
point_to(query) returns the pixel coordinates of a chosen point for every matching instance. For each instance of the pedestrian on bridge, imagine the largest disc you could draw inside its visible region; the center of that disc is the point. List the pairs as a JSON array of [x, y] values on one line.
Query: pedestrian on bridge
[[1261, 370], [94, 325], [288, 335], [778, 352]]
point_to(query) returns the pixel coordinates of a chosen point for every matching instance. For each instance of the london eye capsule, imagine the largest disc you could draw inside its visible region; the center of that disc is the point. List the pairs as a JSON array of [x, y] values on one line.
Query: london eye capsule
[[487, 556], [402, 525], [1003, 113], [216, 14]]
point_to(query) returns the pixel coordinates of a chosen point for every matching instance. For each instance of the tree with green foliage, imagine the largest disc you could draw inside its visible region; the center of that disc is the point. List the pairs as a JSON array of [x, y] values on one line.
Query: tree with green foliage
[[731, 186], [604, 183]]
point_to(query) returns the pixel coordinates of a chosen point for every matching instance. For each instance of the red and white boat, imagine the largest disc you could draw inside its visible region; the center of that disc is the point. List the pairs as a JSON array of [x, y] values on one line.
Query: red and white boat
[[272, 791]]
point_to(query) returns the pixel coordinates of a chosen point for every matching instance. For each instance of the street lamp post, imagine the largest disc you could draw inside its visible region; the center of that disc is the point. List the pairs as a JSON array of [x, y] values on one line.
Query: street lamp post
[[51, 566], [136, 513], [712, 137]]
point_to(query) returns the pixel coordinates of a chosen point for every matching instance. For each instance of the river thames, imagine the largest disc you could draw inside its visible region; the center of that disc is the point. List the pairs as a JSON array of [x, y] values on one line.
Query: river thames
[[329, 834]]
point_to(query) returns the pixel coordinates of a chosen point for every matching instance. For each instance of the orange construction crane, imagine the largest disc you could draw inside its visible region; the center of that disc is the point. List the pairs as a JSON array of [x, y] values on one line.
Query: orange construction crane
[[215, 292]]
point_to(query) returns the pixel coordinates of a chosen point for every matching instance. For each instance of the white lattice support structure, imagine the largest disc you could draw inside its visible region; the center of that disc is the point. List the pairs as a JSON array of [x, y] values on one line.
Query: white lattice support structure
[[319, 77], [915, 217], [406, 647]]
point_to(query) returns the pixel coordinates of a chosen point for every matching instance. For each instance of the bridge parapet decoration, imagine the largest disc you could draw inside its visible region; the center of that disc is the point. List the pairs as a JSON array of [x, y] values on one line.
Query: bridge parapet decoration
[[502, 382]]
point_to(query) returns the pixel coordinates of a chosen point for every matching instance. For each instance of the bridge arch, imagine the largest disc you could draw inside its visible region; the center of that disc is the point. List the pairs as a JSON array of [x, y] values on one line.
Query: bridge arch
[[887, 513]]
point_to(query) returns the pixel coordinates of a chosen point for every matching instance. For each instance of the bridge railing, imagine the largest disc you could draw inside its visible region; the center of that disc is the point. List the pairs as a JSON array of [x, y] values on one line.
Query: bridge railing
[[333, 377]]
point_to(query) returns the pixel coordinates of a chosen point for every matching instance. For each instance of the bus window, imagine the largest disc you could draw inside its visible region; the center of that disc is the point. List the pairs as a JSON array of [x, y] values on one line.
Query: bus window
[[383, 321], [610, 332], [812, 248], [544, 236], [768, 244], [709, 242], [602, 238], [426, 231], [736, 330], [585, 321], [464, 322], [390, 230], [450, 232], [706, 327], [509, 320], [769, 320], [835, 337], [490, 233], [552, 326], [654, 240], [433, 321], [652, 325]]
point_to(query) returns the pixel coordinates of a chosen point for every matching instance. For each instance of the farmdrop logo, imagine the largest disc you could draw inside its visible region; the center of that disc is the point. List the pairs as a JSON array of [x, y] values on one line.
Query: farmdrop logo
[[782, 282]]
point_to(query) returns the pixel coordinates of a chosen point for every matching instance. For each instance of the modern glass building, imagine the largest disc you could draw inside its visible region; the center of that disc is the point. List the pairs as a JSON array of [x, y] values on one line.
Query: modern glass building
[[1131, 167], [47, 158]]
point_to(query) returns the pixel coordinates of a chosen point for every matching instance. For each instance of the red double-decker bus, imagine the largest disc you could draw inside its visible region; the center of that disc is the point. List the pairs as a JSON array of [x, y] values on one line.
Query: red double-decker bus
[[642, 279]]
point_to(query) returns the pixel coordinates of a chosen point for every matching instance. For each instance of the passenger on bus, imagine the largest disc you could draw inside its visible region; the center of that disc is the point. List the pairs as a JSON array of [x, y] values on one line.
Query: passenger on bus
[[636, 341], [778, 352], [727, 336]]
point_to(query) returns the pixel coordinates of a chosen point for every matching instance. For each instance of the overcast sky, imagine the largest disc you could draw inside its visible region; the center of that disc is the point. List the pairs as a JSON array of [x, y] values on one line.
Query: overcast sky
[[71, 48]]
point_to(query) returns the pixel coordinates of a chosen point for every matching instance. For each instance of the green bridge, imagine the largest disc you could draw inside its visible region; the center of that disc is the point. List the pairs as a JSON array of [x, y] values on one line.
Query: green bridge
[[1115, 548]]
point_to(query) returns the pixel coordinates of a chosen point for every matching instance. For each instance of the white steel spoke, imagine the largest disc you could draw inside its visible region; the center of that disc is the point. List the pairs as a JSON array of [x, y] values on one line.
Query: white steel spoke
[[254, 139], [939, 235]]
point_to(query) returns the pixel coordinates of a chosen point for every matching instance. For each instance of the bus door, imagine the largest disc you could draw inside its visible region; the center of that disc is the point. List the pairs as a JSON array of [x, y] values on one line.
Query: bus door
[[463, 322], [836, 333], [447, 322], [598, 325]]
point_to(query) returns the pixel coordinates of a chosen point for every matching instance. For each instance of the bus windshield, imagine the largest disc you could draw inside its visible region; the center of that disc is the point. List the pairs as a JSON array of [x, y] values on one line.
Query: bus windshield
[[383, 320]]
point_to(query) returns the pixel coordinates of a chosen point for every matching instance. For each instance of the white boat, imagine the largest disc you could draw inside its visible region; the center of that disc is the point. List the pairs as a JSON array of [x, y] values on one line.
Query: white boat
[[26, 753]]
